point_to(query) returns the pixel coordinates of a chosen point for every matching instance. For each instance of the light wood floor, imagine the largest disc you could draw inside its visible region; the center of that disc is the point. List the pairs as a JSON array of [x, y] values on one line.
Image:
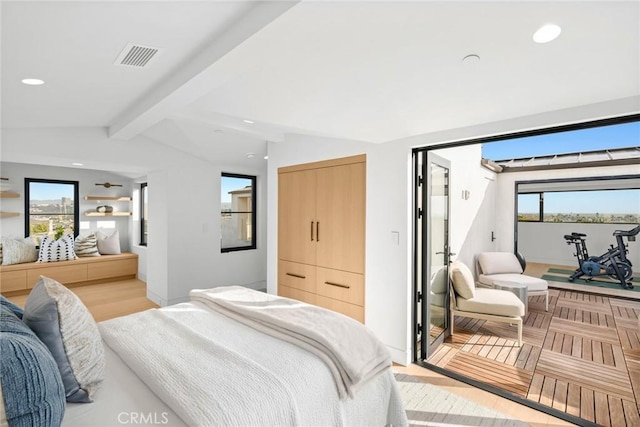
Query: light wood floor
[[581, 357], [108, 300]]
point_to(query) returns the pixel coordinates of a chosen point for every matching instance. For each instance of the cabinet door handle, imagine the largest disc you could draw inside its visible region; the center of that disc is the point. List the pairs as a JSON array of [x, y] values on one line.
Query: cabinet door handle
[[312, 231], [296, 275], [340, 285], [318, 231]]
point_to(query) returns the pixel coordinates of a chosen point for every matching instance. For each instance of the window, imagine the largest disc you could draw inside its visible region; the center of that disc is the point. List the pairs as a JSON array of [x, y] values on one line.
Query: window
[[51, 207], [530, 207], [238, 212], [144, 212]]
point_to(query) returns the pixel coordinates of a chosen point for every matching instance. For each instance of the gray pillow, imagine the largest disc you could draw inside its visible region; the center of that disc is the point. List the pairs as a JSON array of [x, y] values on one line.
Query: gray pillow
[[18, 251], [66, 327], [87, 245], [108, 244]]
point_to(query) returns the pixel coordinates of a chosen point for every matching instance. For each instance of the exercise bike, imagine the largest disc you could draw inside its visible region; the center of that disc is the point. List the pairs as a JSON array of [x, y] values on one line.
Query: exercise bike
[[613, 263]]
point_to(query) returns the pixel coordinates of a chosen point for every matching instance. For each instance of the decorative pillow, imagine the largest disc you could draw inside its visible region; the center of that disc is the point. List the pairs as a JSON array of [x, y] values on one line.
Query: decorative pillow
[[33, 394], [87, 245], [52, 250], [11, 306], [499, 263], [462, 280], [108, 244], [18, 251], [66, 327]]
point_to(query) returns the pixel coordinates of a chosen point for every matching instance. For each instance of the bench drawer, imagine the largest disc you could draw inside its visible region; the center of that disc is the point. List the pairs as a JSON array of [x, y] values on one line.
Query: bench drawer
[[13, 281], [108, 269], [62, 273]]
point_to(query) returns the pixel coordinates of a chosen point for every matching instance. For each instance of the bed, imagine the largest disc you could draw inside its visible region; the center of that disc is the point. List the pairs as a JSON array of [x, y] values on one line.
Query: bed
[[202, 363]]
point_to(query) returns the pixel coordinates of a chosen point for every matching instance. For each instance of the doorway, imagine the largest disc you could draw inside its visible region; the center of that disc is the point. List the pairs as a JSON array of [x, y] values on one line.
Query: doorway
[[432, 252]]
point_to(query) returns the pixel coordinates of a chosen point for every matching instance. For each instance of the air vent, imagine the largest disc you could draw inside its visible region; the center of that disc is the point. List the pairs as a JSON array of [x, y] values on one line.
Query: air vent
[[134, 55]]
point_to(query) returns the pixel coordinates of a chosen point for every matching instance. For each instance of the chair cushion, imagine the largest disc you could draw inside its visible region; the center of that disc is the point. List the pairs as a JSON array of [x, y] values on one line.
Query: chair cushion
[[462, 279], [492, 301], [499, 263], [532, 283]]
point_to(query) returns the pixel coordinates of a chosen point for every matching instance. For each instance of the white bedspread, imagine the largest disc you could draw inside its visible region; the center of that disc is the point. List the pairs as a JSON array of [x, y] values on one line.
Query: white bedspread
[[212, 370], [352, 353]]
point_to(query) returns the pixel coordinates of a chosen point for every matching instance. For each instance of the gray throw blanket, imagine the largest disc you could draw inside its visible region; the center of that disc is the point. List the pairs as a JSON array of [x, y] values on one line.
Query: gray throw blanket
[[350, 350]]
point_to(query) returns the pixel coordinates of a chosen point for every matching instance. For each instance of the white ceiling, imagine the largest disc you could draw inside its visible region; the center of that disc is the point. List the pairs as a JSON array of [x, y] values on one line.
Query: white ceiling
[[372, 71]]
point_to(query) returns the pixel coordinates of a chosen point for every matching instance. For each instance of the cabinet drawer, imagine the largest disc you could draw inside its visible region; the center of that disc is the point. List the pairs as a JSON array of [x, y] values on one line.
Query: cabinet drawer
[[13, 281], [62, 273], [354, 311], [287, 292], [340, 285], [298, 276], [108, 269]]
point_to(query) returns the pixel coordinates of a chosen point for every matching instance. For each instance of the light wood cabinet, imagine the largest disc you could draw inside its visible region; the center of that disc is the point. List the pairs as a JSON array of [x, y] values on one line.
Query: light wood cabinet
[[321, 234]]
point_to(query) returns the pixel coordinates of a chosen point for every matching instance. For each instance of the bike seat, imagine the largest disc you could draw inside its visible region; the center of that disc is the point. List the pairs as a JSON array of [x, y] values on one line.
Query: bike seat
[[578, 234], [570, 237], [628, 233]]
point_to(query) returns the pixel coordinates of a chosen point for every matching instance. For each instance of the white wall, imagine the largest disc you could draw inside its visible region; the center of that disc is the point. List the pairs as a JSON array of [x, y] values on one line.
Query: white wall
[[544, 242], [183, 249], [17, 172], [389, 170]]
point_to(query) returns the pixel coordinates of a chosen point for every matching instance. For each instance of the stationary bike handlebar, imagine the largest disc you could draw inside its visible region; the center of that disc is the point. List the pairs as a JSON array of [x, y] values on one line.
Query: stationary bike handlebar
[[629, 233]]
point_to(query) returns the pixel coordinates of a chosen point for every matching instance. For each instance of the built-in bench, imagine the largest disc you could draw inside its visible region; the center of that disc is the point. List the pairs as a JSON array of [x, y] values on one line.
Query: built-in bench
[[19, 278]]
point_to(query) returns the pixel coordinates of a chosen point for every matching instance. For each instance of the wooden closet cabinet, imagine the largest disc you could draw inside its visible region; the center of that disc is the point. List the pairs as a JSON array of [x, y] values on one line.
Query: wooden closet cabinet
[[321, 233]]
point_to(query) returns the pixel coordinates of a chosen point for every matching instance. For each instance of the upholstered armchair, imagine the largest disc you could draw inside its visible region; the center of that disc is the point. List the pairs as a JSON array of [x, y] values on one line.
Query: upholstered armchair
[[495, 268]]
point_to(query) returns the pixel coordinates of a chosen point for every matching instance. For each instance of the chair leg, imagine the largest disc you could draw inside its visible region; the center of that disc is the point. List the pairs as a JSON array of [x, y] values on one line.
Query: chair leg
[[520, 333], [546, 301], [452, 322]]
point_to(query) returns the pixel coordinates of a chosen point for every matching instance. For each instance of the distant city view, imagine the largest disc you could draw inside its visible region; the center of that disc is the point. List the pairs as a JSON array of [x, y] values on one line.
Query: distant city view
[[596, 218], [45, 216]]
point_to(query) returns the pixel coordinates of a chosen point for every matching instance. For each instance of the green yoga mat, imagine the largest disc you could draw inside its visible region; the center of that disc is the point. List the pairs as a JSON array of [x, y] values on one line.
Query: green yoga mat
[[596, 283], [570, 272]]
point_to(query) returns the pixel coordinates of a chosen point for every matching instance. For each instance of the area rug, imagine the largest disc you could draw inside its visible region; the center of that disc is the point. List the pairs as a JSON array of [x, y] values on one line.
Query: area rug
[[562, 276], [429, 405]]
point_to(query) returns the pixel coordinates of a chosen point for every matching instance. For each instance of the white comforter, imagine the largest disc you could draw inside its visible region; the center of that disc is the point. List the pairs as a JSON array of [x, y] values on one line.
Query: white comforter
[[350, 350], [212, 370]]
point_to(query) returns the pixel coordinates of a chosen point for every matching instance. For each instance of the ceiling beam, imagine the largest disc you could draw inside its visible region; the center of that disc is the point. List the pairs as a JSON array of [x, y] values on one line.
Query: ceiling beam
[[198, 76]]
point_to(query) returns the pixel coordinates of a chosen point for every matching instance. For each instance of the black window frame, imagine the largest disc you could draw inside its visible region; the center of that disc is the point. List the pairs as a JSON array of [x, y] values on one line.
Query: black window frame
[[143, 217], [27, 202], [254, 180]]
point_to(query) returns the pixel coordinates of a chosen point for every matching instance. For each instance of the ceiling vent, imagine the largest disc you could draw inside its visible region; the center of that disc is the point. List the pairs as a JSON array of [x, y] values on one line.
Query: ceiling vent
[[138, 56]]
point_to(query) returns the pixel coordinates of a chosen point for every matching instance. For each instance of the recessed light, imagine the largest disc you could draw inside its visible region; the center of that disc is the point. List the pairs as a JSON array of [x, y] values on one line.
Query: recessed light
[[266, 157], [33, 82], [77, 164], [250, 155], [547, 33], [249, 121]]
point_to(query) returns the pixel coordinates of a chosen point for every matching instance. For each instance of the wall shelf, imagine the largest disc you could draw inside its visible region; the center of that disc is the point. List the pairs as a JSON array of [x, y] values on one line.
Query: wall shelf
[[9, 214], [92, 213], [9, 195], [114, 198]]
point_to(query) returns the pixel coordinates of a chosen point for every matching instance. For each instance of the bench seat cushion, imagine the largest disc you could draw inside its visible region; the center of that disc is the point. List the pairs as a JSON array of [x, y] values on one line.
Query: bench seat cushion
[[492, 301], [532, 283]]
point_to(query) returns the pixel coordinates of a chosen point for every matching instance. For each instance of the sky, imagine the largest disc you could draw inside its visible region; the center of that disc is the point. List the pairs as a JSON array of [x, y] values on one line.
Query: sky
[[47, 191], [599, 138], [602, 202], [230, 184]]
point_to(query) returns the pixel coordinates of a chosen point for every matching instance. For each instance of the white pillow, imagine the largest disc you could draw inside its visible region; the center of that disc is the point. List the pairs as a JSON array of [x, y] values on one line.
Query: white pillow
[[108, 244], [18, 251], [462, 280], [52, 250], [499, 263]]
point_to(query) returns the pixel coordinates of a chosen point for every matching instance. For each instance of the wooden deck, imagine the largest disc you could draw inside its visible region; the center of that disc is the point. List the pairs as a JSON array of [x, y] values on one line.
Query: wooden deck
[[581, 357]]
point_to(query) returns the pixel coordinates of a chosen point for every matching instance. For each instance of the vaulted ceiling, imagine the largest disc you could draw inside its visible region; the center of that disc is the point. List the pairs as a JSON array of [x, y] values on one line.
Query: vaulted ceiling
[[371, 71]]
